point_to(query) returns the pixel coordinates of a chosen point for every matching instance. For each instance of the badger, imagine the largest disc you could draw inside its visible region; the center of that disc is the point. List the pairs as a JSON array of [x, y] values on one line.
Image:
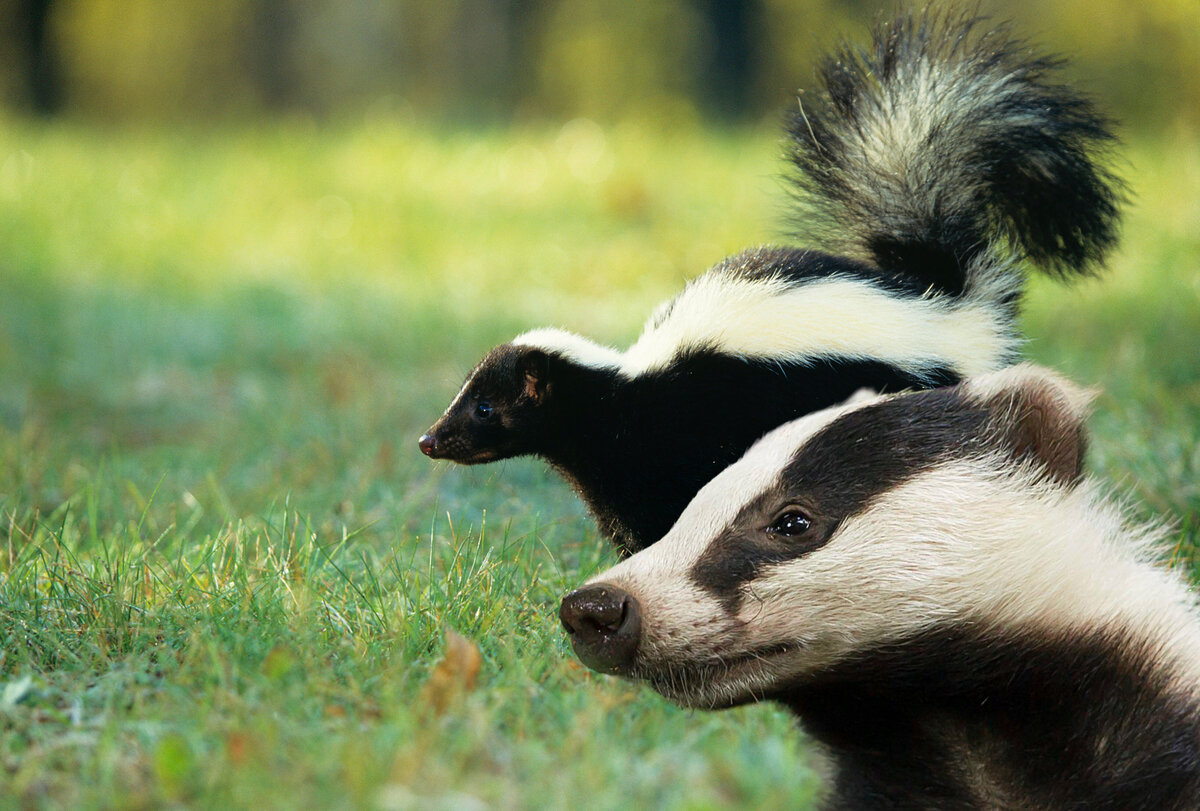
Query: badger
[[953, 611], [932, 170]]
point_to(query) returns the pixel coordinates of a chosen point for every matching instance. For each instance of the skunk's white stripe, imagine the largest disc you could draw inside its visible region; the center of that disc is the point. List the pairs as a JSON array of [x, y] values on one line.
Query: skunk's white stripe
[[835, 317], [832, 317], [583, 351]]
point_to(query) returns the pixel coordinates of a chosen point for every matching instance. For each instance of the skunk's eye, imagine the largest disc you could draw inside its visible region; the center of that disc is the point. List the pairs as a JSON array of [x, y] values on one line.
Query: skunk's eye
[[483, 409], [790, 524]]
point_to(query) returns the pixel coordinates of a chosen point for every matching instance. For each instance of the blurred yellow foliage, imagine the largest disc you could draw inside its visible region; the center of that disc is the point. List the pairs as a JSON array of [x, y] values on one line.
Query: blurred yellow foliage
[[605, 59]]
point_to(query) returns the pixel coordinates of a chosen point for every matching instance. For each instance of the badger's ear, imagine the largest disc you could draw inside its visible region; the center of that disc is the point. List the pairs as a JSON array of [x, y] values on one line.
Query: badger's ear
[[535, 370], [1039, 417]]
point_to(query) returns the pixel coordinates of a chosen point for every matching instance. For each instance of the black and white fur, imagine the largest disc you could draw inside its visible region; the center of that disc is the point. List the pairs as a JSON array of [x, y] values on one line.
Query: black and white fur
[[934, 164], [952, 611]]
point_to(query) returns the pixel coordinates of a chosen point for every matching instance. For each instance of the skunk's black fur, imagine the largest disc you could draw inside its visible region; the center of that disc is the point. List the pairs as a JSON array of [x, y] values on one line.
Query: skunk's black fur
[[936, 163]]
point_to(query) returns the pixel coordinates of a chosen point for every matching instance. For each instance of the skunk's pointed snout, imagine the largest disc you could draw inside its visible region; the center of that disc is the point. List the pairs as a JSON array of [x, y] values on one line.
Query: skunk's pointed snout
[[429, 445], [605, 626]]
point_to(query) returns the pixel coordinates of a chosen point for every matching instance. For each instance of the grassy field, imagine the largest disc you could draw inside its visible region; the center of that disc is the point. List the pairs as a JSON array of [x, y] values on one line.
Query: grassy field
[[226, 573]]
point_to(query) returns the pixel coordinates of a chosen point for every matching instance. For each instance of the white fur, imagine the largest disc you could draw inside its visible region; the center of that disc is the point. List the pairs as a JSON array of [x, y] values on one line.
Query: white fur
[[579, 349], [891, 155], [831, 317], [1074, 400]]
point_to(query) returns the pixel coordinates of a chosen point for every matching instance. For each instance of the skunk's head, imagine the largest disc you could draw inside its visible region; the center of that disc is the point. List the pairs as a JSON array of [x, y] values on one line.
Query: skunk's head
[[498, 413], [849, 528]]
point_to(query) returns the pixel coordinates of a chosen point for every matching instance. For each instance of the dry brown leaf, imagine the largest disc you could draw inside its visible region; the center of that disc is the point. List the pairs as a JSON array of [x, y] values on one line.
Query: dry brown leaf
[[237, 747], [454, 675]]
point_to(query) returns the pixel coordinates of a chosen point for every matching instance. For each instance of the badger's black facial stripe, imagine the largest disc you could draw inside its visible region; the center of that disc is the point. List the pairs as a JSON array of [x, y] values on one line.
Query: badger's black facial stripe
[[837, 474], [743, 550], [866, 452]]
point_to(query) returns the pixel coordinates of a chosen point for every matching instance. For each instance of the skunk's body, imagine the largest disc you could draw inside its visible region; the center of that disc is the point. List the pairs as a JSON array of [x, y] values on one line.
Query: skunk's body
[[934, 166], [950, 609]]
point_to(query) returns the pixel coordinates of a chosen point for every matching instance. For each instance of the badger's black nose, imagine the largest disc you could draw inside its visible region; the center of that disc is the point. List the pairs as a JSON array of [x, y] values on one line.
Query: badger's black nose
[[605, 626], [428, 445]]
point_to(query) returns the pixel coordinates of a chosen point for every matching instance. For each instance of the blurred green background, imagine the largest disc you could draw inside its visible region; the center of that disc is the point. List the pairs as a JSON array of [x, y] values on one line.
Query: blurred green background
[[248, 251]]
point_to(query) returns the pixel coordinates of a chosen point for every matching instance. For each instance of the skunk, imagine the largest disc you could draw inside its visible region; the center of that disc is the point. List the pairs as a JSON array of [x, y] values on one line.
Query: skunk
[[932, 167], [953, 612]]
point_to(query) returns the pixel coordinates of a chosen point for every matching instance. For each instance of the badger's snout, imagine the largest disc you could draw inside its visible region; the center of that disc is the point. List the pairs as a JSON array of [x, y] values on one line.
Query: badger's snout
[[605, 626], [428, 444]]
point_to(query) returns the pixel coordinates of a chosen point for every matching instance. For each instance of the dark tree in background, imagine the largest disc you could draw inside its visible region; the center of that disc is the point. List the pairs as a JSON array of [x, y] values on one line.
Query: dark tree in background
[[41, 67], [268, 58], [728, 71]]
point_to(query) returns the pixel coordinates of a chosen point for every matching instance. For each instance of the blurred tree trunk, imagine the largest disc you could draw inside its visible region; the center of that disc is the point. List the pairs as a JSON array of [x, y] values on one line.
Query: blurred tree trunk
[[41, 66], [520, 18], [273, 27], [728, 72]]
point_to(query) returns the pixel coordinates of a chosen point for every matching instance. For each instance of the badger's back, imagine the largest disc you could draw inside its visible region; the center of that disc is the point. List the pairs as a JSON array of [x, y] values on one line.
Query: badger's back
[[1019, 718]]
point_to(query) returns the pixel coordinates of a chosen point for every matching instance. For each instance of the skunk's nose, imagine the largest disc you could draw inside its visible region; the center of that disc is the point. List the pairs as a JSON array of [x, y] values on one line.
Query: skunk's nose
[[605, 626], [428, 445]]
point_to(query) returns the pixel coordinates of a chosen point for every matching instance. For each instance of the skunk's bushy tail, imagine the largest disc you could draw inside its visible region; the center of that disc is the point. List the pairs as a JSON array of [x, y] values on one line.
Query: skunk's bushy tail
[[947, 150]]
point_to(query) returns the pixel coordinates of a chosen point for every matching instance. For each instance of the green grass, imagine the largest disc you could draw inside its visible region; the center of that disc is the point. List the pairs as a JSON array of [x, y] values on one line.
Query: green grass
[[225, 571]]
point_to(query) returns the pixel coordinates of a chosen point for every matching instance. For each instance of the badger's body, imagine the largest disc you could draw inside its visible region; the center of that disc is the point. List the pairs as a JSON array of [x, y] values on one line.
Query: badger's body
[[950, 609], [934, 167]]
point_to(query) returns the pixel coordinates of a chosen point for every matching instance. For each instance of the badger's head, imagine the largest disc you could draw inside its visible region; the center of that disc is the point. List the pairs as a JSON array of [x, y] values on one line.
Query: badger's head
[[498, 413], [848, 528]]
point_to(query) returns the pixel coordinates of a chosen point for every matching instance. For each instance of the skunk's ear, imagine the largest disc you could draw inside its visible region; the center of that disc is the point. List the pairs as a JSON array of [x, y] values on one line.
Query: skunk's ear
[[1038, 416], [535, 370]]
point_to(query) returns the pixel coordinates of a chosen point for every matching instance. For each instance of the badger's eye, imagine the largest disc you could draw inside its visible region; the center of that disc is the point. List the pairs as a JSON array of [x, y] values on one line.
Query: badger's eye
[[483, 409], [790, 524]]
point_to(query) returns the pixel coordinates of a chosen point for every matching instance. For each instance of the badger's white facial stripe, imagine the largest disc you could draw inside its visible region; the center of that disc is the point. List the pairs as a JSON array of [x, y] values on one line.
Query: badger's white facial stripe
[[833, 317], [974, 544]]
